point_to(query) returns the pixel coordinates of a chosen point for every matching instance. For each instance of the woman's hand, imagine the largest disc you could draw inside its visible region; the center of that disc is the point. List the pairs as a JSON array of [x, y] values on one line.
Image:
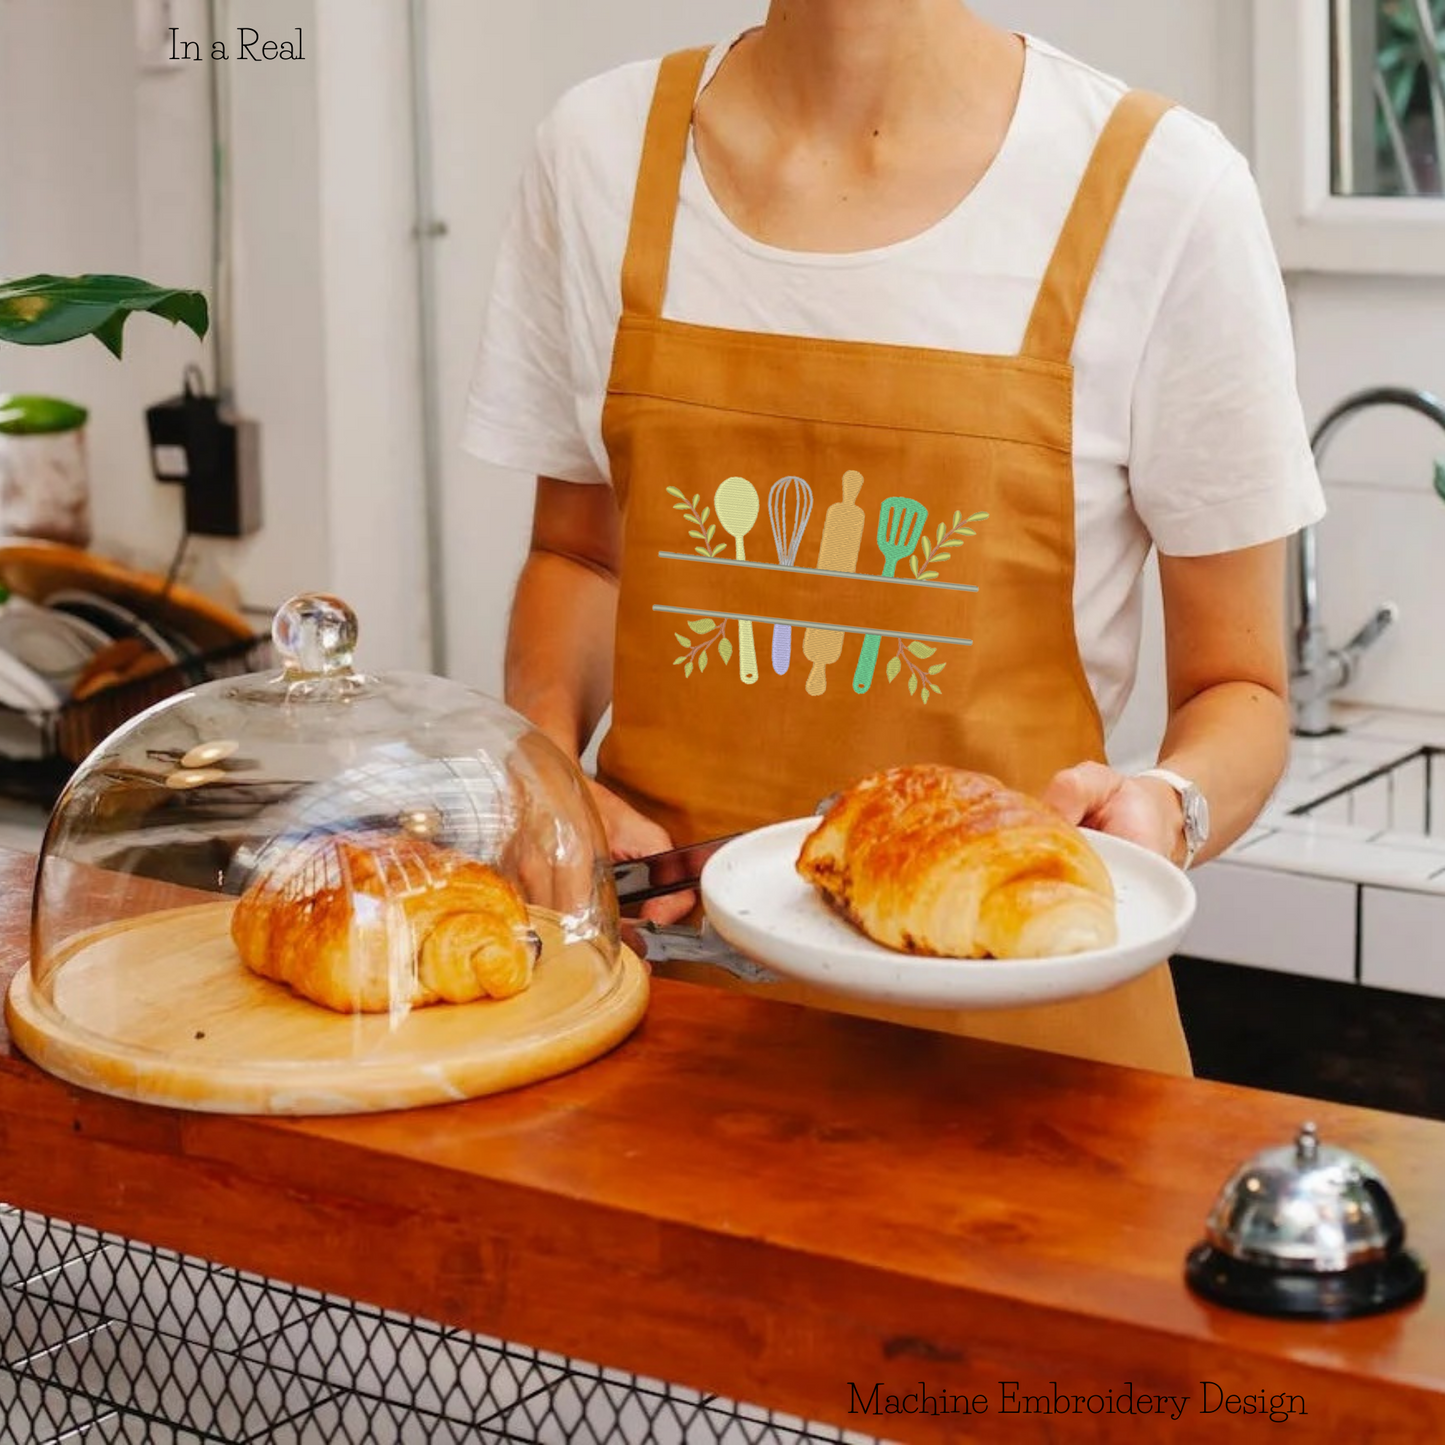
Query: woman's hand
[[1142, 810], [631, 835]]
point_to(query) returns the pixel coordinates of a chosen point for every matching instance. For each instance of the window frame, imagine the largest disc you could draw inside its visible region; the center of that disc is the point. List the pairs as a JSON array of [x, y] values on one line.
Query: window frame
[[1313, 229]]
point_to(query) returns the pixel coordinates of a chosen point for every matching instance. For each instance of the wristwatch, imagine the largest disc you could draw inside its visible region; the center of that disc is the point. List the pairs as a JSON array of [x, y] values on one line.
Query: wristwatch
[[1195, 806]]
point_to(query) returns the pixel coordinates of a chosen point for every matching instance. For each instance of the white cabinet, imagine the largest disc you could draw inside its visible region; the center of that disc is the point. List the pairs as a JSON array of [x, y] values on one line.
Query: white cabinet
[[1266, 918], [1402, 941]]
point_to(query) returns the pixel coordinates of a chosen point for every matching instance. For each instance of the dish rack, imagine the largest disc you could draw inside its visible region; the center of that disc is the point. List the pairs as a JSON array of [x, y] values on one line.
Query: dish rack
[[69, 732]]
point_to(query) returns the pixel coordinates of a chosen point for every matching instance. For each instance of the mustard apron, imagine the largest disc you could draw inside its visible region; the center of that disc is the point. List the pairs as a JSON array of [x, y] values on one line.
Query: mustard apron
[[840, 556]]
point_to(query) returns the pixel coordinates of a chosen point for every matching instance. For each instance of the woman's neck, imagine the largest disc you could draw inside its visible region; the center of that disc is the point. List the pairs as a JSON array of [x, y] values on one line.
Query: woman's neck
[[844, 69]]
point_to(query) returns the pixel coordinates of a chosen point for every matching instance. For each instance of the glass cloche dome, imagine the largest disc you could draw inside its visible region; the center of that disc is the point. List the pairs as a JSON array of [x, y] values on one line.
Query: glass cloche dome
[[318, 891]]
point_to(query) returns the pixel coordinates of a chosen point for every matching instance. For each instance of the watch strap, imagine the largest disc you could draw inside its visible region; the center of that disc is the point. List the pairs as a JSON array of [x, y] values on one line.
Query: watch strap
[[1187, 791]]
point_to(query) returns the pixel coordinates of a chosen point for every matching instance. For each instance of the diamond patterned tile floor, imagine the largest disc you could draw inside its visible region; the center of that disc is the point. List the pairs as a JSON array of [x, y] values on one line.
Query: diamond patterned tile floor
[[104, 1340]]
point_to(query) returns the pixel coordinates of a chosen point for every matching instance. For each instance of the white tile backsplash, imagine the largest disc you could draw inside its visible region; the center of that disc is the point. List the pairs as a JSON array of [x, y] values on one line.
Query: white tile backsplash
[[1377, 546], [188, 1385], [184, 1298], [1343, 859], [424, 1368]]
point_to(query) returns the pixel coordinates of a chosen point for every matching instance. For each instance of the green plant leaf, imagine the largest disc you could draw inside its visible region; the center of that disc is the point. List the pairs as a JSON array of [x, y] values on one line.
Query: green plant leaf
[[921, 649], [912, 682], [725, 649], [676, 492], [687, 671], [702, 624], [703, 518], [683, 641], [39, 415], [721, 547], [926, 694], [928, 577], [895, 666], [702, 663], [678, 661], [936, 668], [48, 310]]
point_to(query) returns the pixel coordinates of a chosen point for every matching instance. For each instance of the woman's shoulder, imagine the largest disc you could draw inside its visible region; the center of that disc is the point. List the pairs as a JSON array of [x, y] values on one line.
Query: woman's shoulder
[[1187, 150], [609, 105]]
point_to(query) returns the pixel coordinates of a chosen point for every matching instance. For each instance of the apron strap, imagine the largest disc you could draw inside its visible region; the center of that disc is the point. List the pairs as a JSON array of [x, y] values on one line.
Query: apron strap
[[1060, 302], [659, 178]]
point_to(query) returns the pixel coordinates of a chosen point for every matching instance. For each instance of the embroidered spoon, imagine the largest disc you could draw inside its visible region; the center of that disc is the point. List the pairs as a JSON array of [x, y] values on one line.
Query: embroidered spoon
[[736, 504], [900, 525]]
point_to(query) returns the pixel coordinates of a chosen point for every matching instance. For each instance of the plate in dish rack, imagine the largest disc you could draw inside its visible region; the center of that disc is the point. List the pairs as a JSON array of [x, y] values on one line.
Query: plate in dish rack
[[757, 902]]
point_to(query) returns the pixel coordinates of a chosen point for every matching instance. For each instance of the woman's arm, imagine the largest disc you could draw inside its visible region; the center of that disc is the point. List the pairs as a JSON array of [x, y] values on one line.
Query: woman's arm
[[1228, 728], [559, 643], [560, 646]]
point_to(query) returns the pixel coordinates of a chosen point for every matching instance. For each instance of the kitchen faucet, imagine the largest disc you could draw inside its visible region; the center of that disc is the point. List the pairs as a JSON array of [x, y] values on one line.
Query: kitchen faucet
[[1320, 670]]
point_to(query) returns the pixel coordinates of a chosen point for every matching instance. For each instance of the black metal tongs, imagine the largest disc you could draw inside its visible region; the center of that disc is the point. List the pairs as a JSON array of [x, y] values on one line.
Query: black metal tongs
[[678, 870]]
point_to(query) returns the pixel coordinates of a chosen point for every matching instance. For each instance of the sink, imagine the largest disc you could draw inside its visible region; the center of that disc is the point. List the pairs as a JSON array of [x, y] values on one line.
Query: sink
[[1399, 797]]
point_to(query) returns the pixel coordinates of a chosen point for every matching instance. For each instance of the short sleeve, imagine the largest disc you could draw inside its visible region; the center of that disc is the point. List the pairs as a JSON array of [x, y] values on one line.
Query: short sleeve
[[522, 404], [1220, 456]]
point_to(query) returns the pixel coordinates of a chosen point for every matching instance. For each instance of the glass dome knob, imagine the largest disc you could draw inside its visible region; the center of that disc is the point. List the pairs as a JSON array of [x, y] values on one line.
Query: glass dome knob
[[315, 635]]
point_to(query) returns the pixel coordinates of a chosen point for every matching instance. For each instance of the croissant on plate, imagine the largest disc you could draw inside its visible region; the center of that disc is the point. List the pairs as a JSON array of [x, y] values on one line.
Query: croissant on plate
[[938, 860], [369, 923]]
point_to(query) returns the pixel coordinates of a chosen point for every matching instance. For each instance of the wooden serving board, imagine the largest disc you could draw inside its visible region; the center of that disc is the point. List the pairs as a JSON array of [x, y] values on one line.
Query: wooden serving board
[[160, 1009]]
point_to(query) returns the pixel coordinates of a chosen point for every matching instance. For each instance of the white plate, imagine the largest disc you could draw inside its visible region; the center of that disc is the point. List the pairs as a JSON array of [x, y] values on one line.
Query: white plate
[[22, 689], [757, 902], [53, 644], [124, 623]]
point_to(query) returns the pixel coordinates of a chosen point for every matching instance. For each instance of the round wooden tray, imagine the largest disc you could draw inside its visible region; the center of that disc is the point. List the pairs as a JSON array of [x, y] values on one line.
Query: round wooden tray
[[161, 1010]]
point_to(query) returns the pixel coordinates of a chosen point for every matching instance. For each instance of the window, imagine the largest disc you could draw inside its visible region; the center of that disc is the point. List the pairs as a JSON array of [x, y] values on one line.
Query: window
[[1350, 133]]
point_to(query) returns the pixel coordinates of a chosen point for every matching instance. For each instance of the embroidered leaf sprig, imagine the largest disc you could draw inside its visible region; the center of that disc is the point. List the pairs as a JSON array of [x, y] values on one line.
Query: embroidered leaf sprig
[[695, 653], [931, 551], [701, 525], [921, 682]]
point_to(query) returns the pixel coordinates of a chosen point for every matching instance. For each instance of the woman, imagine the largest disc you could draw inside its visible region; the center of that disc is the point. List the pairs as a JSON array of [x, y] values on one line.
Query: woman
[[881, 290]]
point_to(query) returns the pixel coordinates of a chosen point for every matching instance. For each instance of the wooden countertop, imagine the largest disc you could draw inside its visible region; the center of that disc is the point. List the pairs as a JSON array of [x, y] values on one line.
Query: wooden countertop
[[783, 1206]]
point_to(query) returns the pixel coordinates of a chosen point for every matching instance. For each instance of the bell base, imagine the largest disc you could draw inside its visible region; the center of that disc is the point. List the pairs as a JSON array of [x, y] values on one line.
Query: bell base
[[1367, 1289]]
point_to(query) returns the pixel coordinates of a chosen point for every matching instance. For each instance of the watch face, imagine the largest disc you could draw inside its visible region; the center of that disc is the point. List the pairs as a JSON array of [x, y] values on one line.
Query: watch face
[[1196, 817]]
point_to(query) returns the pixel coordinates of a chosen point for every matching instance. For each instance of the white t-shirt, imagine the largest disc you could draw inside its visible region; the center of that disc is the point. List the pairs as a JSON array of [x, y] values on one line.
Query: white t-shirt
[[1187, 422]]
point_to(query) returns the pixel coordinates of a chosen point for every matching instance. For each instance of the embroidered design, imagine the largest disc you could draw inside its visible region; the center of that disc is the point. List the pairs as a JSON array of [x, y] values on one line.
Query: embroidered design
[[702, 528], [917, 677], [736, 501], [931, 553], [695, 654], [901, 521], [939, 549], [842, 539], [790, 504], [900, 535]]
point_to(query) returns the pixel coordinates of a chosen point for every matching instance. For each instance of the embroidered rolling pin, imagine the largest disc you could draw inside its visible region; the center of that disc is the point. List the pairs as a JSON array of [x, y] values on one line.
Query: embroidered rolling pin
[[838, 552]]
